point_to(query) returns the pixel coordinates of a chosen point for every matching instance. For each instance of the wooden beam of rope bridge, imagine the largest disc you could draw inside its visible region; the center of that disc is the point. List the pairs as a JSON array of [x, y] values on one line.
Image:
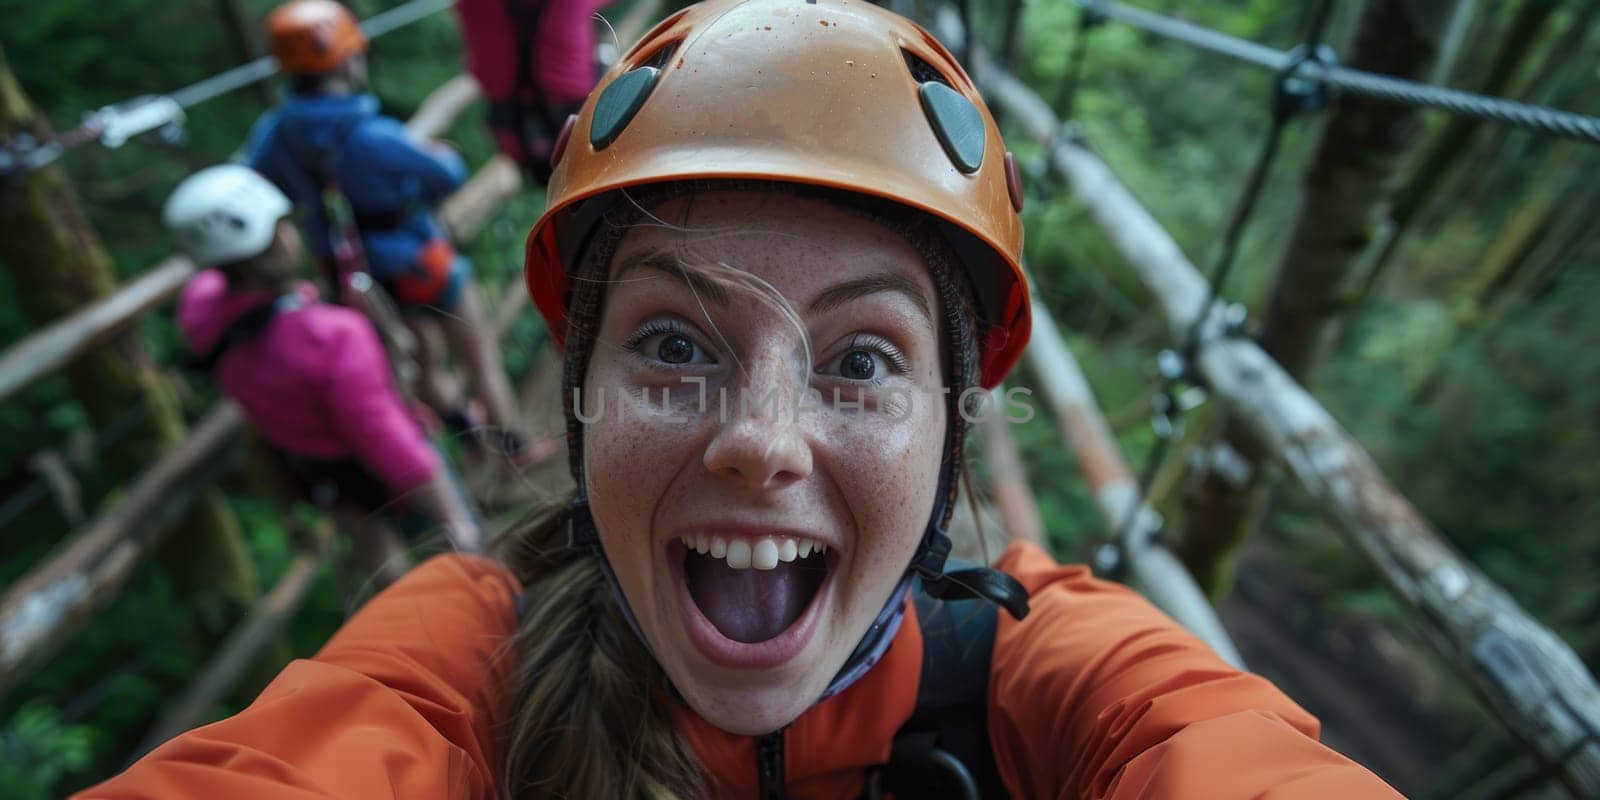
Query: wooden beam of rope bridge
[[1158, 572], [52, 348], [42, 610], [1527, 675]]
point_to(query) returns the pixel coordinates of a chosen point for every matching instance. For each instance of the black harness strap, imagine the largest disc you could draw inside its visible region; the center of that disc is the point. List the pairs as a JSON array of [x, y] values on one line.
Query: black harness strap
[[943, 750], [244, 328]]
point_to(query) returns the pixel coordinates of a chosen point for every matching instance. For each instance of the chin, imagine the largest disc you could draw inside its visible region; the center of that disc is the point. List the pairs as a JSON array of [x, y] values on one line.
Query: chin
[[748, 712]]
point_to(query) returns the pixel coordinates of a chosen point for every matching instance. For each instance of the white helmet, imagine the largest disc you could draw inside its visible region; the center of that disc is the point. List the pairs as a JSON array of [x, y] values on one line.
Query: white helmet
[[224, 214]]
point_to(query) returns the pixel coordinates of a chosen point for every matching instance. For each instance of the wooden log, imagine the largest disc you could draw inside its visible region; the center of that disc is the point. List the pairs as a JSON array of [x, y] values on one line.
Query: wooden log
[[39, 613], [237, 654], [510, 307], [467, 211], [440, 109], [1448, 151], [52, 348], [1116, 492], [1019, 509], [1528, 677]]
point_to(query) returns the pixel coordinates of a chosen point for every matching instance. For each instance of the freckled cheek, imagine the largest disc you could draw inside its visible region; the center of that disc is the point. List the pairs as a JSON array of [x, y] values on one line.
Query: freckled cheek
[[888, 472], [632, 453]]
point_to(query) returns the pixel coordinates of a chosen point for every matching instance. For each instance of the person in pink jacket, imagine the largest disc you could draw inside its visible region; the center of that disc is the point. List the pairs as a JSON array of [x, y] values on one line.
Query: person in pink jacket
[[535, 60], [313, 377]]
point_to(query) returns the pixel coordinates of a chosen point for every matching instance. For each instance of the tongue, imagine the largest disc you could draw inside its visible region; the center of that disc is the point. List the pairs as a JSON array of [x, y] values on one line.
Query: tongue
[[749, 605]]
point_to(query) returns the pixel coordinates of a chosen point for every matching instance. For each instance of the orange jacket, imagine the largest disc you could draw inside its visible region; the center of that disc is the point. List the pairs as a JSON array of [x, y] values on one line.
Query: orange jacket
[[1095, 694]]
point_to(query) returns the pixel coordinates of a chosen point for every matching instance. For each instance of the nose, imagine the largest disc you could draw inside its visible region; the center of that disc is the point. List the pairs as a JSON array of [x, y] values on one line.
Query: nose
[[761, 447]]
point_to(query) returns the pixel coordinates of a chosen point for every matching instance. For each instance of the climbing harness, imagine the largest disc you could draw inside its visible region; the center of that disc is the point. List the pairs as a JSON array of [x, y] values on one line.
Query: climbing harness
[[525, 122], [943, 750]]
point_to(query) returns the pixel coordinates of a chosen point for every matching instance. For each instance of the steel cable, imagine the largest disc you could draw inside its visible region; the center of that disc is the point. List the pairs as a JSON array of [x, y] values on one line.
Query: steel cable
[[1354, 81], [1167, 407], [45, 153]]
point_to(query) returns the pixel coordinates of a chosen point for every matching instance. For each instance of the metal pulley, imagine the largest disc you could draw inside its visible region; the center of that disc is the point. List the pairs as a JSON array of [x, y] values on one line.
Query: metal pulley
[[1301, 87]]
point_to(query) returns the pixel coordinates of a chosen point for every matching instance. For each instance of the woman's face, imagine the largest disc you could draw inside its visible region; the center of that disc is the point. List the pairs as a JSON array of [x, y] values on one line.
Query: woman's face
[[757, 535]]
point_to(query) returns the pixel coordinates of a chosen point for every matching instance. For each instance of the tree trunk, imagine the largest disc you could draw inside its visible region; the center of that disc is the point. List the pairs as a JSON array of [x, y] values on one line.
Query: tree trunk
[[57, 266], [1351, 179], [1443, 154], [1561, 81]]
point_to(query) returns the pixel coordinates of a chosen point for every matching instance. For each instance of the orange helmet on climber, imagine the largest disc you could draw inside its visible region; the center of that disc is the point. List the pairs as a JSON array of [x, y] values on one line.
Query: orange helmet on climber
[[312, 36], [920, 136]]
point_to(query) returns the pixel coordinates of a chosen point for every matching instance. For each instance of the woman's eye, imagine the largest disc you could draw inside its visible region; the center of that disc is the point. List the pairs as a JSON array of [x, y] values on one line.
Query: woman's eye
[[668, 346], [675, 348], [859, 365]]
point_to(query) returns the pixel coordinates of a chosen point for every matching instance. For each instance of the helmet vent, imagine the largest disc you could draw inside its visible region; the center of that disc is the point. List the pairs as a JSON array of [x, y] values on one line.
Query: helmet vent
[[955, 120], [623, 97], [651, 36], [662, 55], [922, 71]]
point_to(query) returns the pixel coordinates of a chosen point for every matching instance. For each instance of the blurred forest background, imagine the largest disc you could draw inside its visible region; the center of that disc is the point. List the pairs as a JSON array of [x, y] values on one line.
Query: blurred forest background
[[1467, 366]]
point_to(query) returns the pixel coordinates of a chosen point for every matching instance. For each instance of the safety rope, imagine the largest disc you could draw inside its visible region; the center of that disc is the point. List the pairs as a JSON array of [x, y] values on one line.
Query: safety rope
[[115, 124], [1291, 97], [1072, 76], [1354, 81]]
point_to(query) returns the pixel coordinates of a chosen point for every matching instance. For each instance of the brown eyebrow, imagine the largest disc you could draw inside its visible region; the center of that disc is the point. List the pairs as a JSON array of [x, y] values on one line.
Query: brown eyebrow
[[827, 300], [839, 294], [663, 261]]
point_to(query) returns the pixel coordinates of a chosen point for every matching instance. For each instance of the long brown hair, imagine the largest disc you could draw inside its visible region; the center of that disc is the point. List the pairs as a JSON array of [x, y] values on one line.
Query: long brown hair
[[588, 715], [589, 710]]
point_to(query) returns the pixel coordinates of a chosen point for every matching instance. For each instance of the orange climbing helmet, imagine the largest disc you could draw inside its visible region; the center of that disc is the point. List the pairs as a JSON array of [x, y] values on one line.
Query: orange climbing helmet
[[312, 36], [830, 93]]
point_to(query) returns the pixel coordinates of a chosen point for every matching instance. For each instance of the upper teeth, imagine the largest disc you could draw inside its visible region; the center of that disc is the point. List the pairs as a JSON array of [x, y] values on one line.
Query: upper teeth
[[761, 552]]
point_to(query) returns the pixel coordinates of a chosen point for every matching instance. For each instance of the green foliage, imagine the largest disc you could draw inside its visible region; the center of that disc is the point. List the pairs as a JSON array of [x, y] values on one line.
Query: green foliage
[[39, 748]]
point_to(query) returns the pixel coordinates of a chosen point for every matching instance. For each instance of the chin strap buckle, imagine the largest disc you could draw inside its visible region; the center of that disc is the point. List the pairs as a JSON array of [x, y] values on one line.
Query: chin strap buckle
[[983, 583]]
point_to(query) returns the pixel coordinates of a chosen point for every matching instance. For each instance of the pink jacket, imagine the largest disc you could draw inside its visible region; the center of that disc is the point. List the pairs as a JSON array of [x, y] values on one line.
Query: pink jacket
[[316, 381], [562, 52]]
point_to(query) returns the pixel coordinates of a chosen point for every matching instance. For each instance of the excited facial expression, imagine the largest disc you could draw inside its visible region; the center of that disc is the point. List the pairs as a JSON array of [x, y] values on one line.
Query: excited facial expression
[[756, 536]]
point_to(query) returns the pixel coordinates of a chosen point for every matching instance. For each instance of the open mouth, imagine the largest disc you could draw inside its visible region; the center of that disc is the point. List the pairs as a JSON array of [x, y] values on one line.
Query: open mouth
[[753, 590]]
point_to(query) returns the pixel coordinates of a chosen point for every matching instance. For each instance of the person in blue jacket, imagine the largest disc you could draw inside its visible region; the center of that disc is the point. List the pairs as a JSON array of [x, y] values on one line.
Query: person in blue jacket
[[329, 133]]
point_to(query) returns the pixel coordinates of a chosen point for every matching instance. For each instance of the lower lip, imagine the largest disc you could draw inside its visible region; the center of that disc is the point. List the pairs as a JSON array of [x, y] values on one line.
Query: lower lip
[[725, 652]]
